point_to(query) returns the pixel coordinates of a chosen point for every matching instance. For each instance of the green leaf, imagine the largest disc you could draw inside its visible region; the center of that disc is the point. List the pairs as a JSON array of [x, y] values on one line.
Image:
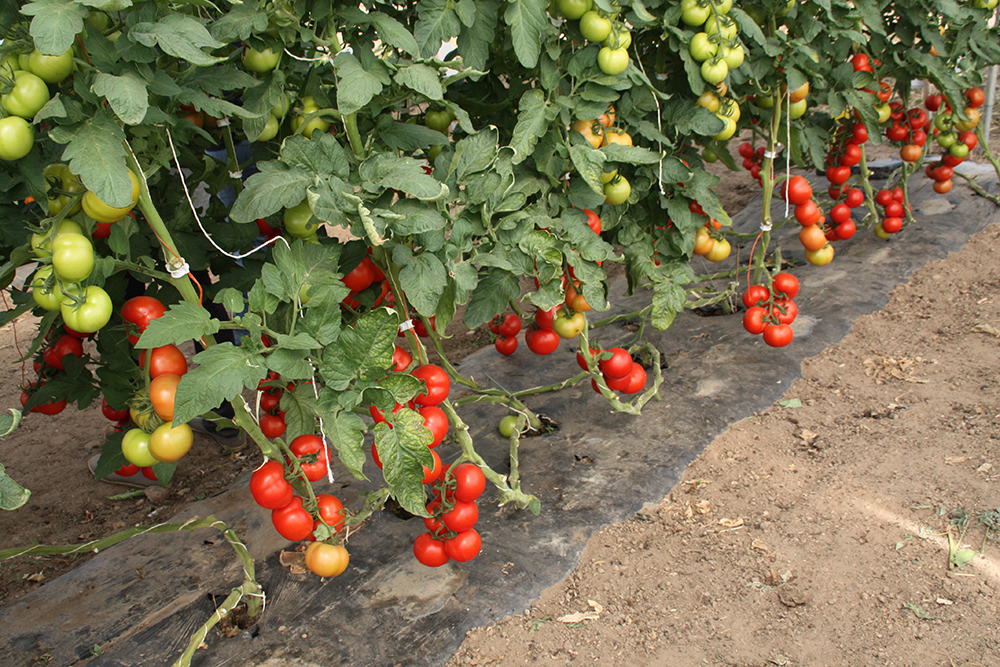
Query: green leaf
[[494, 291], [95, 154], [363, 351], [9, 422], [414, 217], [180, 36], [223, 371], [532, 123], [668, 300], [791, 403], [629, 154], [404, 450], [422, 278], [437, 22], [55, 25], [182, 322], [383, 171], [393, 33], [12, 494], [589, 163], [421, 78], [528, 21], [322, 319], [291, 364], [474, 40], [126, 94], [476, 153], [355, 86], [241, 21], [406, 136], [346, 433], [277, 186], [111, 456]]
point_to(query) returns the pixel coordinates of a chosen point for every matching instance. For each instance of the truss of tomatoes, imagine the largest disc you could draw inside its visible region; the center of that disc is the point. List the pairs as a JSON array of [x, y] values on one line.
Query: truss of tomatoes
[[451, 533], [771, 311]]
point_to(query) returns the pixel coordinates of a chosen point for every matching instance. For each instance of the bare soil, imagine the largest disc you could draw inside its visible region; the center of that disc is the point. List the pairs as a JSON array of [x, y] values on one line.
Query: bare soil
[[814, 533]]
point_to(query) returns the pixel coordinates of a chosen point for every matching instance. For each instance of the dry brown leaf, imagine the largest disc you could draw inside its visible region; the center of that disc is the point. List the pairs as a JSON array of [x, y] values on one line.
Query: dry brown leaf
[[955, 460], [986, 329], [36, 577], [580, 616], [757, 544], [704, 507], [732, 523], [295, 561], [984, 467]]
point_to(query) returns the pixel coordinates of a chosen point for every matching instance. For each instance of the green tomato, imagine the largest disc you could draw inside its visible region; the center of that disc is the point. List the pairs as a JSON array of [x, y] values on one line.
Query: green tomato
[[299, 221], [98, 20], [92, 314], [50, 297], [723, 6], [714, 71], [316, 123], [58, 177], [764, 101], [612, 61], [101, 212], [733, 56], [135, 447], [280, 109], [947, 139], [693, 14], [433, 152], [880, 231], [28, 95], [943, 121], [620, 38], [708, 155], [9, 65], [617, 191], [574, 9], [594, 27], [507, 426], [958, 150], [72, 257], [724, 26], [270, 129], [41, 245], [702, 48], [727, 131], [16, 138], [439, 121], [261, 62], [797, 109], [51, 69], [884, 112], [568, 327]]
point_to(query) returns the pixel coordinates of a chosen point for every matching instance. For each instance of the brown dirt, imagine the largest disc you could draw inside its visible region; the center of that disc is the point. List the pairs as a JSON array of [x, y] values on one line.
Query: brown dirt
[[803, 536]]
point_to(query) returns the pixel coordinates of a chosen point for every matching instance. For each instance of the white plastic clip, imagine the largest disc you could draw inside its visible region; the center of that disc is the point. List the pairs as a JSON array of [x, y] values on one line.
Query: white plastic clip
[[771, 155], [236, 174], [178, 268], [222, 122], [406, 326]]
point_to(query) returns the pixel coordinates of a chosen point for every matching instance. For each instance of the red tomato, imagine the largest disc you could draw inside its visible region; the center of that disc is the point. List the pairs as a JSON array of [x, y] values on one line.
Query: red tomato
[[593, 221], [797, 190], [542, 341], [855, 198], [845, 230], [463, 547], [755, 294], [166, 360], [778, 335], [140, 311], [840, 213], [469, 482], [401, 359], [505, 346], [461, 517], [883, 197], [892, 225], [360, 277], [270, 399], [543, 318], [787, 317], [430, 551], [851, 156], [437, 381], [329, 508], [112, 414], [269, 488], [786, 283], [292, 521], [162, 391], [309, 445], [636, 379], [436, 421], [838, 175], [66, 345], [431, 475], [618, 366], [808, 214], [272, 426], [753, 320]]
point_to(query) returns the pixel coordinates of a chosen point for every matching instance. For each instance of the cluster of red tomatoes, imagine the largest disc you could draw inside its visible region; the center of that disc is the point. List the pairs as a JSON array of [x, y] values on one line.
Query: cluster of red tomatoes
[[908, 127], [51, 363], [451, 533], [156, 439], [753, 160], [620, 371], [438, 385], [893, 212], [797, 191], [296, 520], [771, 311], [505, 327], [957, 137], [272, 419]]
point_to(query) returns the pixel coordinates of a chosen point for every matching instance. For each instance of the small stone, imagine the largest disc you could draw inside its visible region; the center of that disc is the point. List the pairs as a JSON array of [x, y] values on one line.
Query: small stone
[[156, 494]]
